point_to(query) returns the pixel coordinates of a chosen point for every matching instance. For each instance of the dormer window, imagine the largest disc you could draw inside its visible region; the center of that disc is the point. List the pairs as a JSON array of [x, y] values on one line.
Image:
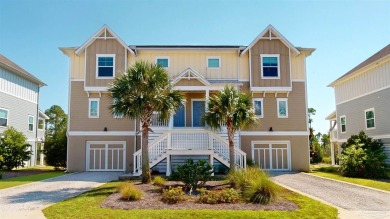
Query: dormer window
[[105, 65], [270, 66]]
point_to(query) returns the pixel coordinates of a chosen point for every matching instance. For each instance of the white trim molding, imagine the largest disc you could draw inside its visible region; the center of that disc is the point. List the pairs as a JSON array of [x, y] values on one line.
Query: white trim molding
[[270, 147], [101, 133], [274, 133], [101, 89], [271, 89]]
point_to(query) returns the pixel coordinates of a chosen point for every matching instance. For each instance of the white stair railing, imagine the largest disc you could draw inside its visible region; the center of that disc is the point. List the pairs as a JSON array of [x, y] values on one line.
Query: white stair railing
[[221, 147]]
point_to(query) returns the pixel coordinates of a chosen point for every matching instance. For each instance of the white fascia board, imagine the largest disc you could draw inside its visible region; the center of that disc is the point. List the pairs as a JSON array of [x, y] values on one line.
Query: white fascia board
[[101, 133], [271, 89], [274, 133], [95, 89]]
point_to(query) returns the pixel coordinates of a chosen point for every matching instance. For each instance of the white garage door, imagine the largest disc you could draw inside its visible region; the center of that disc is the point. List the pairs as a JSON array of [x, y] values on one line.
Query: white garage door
[[106, 156], [272, 155]]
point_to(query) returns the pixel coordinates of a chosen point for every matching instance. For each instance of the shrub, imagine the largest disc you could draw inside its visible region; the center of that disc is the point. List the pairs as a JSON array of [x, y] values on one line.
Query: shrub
[[173, 195], [1, 174], [326, 160], [250, 163], [14, 149], [363, 157], [240, 178], [260, 191], [193, 174], [317, 152], [159, 181], [215, 197], [129, 192]]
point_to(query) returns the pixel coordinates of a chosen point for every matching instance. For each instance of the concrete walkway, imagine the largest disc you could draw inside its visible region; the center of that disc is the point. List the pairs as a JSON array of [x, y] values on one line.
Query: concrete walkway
[[353, 201], [27, 201]]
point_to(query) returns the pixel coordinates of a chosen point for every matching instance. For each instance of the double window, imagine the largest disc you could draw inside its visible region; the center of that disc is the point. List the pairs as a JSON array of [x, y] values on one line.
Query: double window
[[105, 65], [213, 62], [30, 123], [3, 117], [258, 107], [282, 107], [370, 118], [163, 62], [343, 123], [93, 111], [270, 66]]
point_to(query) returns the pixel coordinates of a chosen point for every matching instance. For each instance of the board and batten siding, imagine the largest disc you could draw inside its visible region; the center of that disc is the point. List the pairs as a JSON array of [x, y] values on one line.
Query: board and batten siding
[[18, 87], [374, 79], [355, 115]]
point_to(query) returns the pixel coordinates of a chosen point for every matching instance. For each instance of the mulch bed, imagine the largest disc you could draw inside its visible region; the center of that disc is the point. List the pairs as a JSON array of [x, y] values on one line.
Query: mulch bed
[[11, 174], [151, 200]]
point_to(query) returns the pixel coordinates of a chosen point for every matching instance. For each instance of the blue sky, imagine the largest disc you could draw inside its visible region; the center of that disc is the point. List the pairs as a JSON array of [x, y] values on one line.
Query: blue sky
[[344, 33]]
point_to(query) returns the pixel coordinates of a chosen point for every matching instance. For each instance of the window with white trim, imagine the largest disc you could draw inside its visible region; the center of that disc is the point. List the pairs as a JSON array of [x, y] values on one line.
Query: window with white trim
[[3, 117], [282, 107], [213, 62], [343, 124], [41, 124], [163, 62], [93, 111], [370, 118], [30, 123], [270, 66], [258, 107], [105, 65]]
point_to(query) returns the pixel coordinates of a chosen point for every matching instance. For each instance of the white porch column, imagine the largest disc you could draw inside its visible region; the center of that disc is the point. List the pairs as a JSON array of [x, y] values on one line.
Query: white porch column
[[207, 98], [168, 173], [170, 124], [211, 162], [41, 154]]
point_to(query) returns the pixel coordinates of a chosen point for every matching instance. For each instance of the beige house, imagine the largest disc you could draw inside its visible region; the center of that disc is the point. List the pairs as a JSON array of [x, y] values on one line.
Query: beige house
[[271, 69], [363, 101]]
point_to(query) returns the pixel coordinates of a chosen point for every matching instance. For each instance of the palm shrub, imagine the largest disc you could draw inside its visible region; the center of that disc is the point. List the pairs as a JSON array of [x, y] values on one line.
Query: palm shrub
[[363, 157], [233, 109], [143, 89]]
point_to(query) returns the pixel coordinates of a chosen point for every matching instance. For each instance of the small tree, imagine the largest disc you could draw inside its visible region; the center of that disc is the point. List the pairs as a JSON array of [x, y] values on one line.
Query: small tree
[[13, 149], [363, 157], [56, 140], [232, 108]]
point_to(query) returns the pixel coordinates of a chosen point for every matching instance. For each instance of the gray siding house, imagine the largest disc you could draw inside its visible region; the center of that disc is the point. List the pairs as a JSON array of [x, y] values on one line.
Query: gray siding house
[[363, 101], [19, 97]]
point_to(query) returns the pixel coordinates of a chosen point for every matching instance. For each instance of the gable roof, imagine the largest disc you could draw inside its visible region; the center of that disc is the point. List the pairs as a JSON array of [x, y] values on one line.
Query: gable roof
[[272, 34], [190, 73], [8, 64], [103, 33], [377, 57]]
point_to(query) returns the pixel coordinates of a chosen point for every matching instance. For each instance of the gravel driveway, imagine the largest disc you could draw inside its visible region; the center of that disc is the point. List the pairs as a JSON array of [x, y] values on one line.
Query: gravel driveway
[[28, 200], [366, 203]]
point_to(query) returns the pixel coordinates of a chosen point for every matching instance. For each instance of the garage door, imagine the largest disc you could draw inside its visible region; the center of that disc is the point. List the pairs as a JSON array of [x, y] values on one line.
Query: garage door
[[274, 155], [106, 155]]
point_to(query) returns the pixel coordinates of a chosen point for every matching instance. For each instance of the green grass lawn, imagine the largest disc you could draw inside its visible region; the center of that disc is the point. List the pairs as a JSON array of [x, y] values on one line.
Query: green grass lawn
[[332, 173], [16, 181], [87, 205]]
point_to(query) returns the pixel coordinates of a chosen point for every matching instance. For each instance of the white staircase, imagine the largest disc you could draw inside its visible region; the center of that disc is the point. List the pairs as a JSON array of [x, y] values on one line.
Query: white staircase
[[188, 142]]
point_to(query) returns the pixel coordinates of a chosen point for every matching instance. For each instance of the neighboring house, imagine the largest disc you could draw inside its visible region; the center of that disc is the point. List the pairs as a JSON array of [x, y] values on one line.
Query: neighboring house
[[271, 69], [19, 97], [363, 101]]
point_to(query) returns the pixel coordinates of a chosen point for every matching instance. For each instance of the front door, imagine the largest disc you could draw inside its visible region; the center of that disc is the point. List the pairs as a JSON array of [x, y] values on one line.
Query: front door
[[179, 117], [198, 108]]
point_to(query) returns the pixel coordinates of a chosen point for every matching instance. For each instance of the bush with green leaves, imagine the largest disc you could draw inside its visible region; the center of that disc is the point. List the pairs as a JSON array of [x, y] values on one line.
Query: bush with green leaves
[[193, 174], [173, 195], [14, 149], [363, 157], [129, 192]]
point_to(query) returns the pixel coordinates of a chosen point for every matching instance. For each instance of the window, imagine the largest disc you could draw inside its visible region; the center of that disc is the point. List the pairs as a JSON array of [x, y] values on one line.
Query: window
[[93, 108], [162, 61], [3, 117], [270, 66], [282, 108], [258, 107], [30, 123], [343, 123], [370, 118], [213, 62], [105, 66], [41, 124]]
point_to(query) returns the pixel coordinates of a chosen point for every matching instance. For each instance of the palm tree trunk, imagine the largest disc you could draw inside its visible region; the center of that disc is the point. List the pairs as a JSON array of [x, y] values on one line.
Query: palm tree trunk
[[146, 176], [231, 146]]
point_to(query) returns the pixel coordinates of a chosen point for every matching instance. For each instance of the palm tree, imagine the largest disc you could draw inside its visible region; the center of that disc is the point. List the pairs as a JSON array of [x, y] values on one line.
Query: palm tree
[[143, 89], [232, 108]]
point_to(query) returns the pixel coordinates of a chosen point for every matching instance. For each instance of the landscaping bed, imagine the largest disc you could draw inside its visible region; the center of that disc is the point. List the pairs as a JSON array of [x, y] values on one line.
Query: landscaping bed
[[151, 200]]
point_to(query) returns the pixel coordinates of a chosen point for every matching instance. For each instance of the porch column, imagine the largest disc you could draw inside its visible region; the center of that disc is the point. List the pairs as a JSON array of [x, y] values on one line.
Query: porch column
[[41, 154], [170, 124], [168, 173], [211, 162], [207, 98]]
